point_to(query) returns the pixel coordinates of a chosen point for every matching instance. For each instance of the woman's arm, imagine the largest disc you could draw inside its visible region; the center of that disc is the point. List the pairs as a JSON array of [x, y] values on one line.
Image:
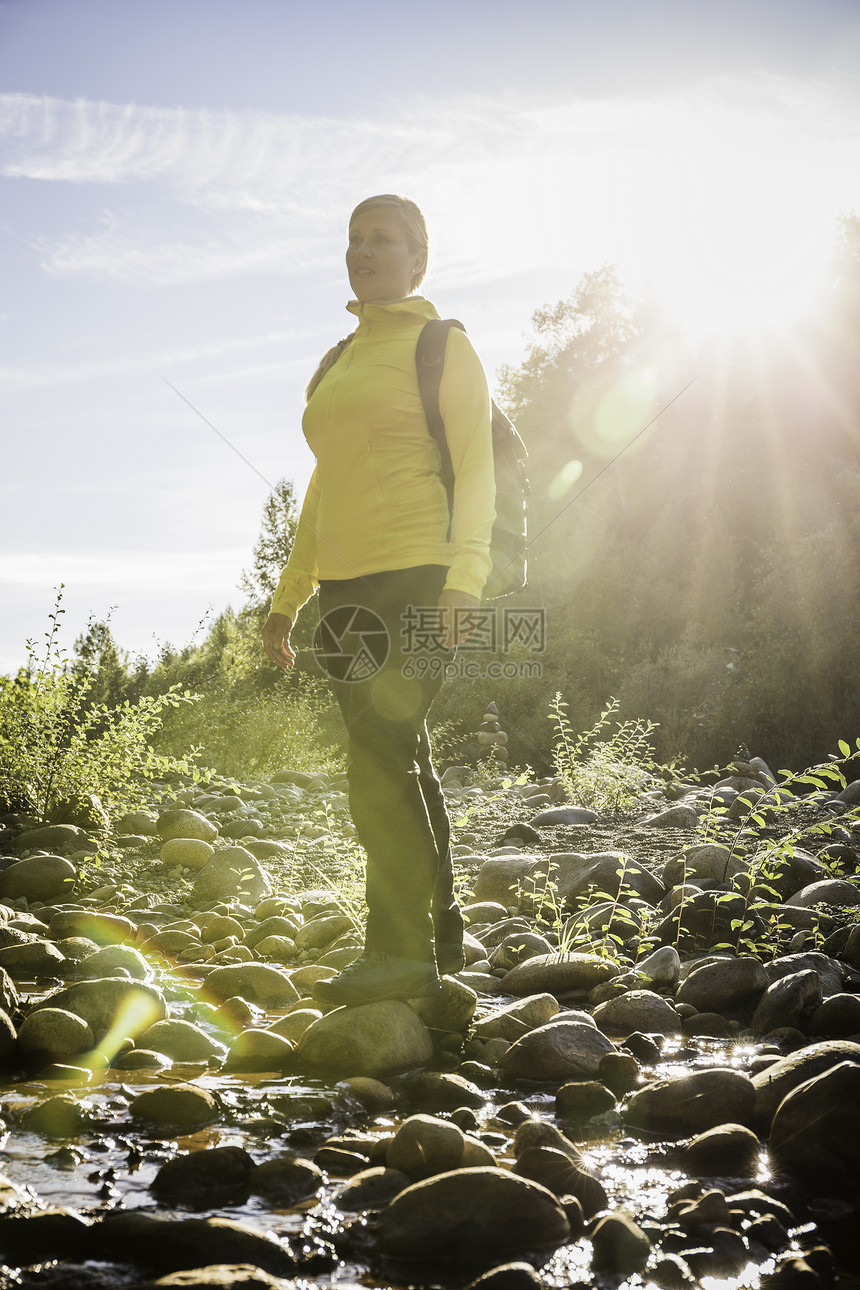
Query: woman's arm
[[464, 401], [298, 581]]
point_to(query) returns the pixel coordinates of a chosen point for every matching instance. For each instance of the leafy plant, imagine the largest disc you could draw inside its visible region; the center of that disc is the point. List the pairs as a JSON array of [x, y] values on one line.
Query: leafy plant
[[243, 733], [59, 750], [608, 766]]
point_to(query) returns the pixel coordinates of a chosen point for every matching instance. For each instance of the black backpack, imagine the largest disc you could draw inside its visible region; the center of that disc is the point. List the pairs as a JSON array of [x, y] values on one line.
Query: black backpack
[[508, 544]]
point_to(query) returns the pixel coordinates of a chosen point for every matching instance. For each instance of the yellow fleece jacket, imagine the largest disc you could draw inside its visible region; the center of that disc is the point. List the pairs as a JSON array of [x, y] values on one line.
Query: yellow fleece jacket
[[376, 500]]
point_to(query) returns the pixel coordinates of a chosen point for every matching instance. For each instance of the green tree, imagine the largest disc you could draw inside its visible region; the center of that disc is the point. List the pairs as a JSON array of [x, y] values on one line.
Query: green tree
[[96, 656], [273, 546]]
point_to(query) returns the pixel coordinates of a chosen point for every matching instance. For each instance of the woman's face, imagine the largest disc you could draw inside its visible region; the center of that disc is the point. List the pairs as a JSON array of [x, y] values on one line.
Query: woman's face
[[379, 260]]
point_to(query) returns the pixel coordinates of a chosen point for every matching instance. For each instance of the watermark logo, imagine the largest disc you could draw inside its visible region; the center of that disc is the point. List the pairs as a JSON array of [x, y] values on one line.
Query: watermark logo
[[488, 629], [351, 643]]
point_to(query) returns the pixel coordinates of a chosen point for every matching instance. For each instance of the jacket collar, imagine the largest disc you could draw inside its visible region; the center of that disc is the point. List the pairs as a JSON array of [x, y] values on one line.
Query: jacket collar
[[409, 309]]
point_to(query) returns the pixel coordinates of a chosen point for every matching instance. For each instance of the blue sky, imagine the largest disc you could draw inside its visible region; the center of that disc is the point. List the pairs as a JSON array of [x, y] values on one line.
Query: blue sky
[[175, 179]]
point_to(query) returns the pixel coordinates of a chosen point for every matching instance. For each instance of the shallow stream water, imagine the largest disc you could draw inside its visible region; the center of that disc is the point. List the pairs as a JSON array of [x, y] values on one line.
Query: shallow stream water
[[112, 1163]]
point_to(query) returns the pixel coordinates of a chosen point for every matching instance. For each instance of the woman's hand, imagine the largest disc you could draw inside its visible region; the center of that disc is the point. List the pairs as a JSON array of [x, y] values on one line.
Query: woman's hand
[[276, 641], [456, 626]]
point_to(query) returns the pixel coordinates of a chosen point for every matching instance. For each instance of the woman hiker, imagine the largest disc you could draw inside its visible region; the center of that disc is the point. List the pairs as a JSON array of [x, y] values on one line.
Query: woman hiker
[[397, 574]]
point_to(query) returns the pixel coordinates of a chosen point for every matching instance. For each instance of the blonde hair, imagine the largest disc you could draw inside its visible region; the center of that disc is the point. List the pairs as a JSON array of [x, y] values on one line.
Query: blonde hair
[[415, 230]]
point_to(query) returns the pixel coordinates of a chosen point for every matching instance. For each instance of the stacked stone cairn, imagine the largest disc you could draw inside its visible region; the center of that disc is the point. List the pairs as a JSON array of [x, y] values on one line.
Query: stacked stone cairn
[[492, 739]]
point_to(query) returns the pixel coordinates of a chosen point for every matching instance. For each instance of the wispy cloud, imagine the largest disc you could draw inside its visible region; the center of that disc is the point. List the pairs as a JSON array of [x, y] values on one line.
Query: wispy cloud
[[28, 378], [201, 194]]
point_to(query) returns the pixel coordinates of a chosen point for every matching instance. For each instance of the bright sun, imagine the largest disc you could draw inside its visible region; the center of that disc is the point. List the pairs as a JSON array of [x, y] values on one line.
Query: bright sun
[[741, 241], [732, 291]]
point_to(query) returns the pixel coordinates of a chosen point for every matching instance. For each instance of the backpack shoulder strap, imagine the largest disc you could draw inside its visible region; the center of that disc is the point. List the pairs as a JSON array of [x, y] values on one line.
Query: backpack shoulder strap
[[430, 364]]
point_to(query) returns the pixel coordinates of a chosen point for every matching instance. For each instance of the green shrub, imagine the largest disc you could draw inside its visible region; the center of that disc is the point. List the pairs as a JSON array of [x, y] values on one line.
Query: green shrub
[[57, 748], [609, 766], [242, 733]]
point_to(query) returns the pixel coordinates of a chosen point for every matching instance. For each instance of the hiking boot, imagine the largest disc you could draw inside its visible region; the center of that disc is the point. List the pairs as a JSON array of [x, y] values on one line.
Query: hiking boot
[[379, 976], [450, 957]]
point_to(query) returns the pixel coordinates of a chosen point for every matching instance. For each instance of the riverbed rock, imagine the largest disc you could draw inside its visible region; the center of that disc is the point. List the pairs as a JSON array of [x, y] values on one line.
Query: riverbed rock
[[564, 815], [441, 1091], [502, 878], [815, 1133], [563, 1174], [790, 1001], [171, 1244], [707, 860], [177, 1106], [513, 1020], [661, 969], [637, 1010], [103, 929], [837, 1017], [375, 1039], [259, 1050], [729, 1150], [38, 878], [829, 891], [559, 974], [232, 874], [320, 932], [828, 969], [559, 1051], [215, 1176], [620, 1246], [286, 1180], [680, 1105], [425, 1145], [193, 853], [115, 960], [258, 983], [471, 1219], [114, 1002], [778, 1080], [62, 1116], [53, 1034], [8, 1036], [33, 958], [370, 1189], [217, 1276], [168, 944], [47, 837], [181, 1041], [179, 822], [581, 1099], [452, 1009], [572, 873], [723, 984]]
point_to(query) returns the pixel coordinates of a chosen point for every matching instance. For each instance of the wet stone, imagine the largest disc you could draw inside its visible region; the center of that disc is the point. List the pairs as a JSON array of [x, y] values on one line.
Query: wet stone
[[376, 1040], [52, 1034], [437, 1092], [558, 1051], [62, 1116], [692, 1103], [471, 1218], [286, 1180], [729, 1150], [580, 1100], [259, 1050], [177, 1106], [218, 1175], [221, 1276], [620, 1245], [508, 1276]]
